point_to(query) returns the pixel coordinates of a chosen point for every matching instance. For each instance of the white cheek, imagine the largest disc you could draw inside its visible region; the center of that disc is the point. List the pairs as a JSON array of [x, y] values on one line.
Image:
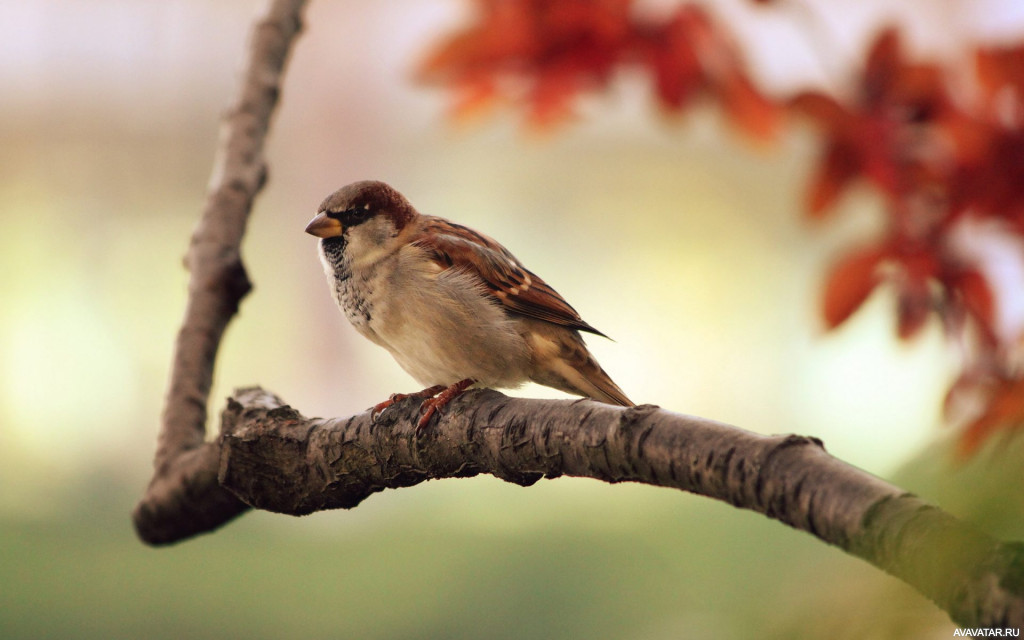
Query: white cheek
[[323, 261], [368, 242]]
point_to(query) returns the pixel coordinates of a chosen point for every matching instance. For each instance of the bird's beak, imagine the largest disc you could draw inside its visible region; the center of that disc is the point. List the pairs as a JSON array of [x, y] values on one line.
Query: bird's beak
[[323, 226]]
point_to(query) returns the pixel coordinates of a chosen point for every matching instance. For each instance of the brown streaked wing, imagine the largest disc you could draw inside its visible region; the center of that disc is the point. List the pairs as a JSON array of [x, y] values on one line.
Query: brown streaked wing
[[519, 289]]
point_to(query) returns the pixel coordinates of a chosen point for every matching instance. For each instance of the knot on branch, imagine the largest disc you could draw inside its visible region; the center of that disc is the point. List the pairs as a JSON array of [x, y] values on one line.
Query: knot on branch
[[273, 458], [627, 434]]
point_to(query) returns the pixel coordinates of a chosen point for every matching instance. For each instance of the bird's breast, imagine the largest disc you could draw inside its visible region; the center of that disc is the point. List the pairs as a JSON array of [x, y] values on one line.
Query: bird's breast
[[439, 324], [352, 289], [442, 327], [355, 298]]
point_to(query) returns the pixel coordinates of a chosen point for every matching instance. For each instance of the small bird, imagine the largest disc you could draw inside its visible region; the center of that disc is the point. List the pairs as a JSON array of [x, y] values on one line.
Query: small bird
[[451, 305]]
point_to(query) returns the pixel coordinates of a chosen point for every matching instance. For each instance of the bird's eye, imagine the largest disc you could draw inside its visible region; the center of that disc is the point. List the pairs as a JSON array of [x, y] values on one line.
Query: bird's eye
[[353, 215]]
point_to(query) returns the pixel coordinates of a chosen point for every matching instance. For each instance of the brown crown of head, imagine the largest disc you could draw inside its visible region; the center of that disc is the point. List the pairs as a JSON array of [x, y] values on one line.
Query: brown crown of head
[[372, 196], [356, 203]]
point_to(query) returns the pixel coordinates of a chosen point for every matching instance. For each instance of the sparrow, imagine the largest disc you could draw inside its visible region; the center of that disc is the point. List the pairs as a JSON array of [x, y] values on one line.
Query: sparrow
[[452, 306]]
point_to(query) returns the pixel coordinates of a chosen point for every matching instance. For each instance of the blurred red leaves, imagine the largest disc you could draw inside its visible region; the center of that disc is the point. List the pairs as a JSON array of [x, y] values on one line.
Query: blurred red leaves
[[544, 54], [937, 162], [939, 154], [1003, 409], [849, 283], [879, 135]]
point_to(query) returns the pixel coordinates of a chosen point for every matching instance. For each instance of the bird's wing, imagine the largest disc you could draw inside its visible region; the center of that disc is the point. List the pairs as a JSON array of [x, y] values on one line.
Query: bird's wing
[[452, 245]]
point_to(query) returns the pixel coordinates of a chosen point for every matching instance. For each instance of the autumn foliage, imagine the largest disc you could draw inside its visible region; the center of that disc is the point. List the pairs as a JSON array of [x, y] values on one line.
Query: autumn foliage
[[944, 149], [544, 54]]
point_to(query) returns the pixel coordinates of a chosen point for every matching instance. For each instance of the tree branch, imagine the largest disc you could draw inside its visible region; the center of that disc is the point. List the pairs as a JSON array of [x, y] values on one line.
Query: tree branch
[[217, 285], [273, 458]]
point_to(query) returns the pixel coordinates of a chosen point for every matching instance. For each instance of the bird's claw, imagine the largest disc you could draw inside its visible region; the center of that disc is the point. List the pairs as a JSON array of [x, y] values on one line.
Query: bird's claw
[[428, 409], [428, 393], [436, 397], [379, 408], [432, 404]]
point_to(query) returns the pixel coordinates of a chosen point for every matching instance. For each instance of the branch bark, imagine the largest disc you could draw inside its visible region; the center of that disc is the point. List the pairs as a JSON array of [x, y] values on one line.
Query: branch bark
[[273, 458], [217, 285]]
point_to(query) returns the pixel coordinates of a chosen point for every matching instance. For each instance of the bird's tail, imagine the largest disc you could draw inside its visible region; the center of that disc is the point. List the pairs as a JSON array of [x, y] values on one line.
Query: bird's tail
[[597, 384], [571, 367]]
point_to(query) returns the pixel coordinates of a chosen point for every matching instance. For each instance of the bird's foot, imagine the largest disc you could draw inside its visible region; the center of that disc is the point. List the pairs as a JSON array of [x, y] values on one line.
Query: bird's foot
[[432, 404], [429, 392]]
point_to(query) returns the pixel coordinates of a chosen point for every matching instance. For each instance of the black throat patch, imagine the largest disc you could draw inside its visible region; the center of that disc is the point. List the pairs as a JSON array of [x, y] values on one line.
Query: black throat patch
[[334, 252]]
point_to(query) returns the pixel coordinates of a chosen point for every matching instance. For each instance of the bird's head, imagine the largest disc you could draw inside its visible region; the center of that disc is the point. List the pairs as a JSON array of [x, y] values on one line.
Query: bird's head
[[366, 213]]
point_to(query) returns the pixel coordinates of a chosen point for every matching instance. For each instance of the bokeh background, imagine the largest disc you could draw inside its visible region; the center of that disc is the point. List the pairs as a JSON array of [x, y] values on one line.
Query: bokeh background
[[677, 238]]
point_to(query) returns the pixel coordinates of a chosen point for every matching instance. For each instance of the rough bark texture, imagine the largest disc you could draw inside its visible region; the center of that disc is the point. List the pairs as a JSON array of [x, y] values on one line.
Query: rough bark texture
[[217, 285], [273, 458]]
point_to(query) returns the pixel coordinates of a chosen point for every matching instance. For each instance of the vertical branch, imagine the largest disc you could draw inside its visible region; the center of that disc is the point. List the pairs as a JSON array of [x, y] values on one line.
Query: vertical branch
[[217, 284]]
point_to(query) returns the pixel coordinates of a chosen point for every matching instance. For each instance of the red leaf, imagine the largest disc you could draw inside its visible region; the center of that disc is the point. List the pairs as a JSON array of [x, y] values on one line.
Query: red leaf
[[822, 108], [676, 79], [976, 294], [474, 98], [913, 303], [749, 110], [674, 62], [883, 63], [849, 283], [551, 98], [998, 68], [965, 392], [1005, 410], [840, 165]]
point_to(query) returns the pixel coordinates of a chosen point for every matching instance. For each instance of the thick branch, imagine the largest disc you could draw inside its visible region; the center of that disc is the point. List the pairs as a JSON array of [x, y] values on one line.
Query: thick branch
[[273, 458], [218, 279]]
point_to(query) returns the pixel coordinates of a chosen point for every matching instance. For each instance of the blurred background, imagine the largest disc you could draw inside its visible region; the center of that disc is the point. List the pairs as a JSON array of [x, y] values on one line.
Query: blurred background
[[675, 237]]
